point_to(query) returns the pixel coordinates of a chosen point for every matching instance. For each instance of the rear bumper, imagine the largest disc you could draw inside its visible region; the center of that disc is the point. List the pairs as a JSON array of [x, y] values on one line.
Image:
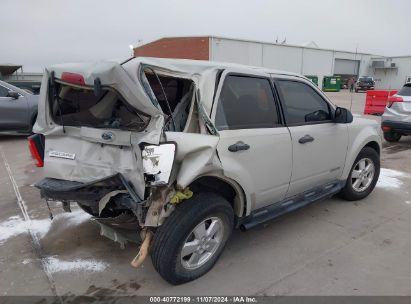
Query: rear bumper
[[88, 194], [396, 126]]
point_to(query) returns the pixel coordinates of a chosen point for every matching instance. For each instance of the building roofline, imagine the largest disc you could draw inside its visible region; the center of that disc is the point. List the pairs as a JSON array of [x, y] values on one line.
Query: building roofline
[[291, 45], [392, 57], [8, 69], [258, 41]]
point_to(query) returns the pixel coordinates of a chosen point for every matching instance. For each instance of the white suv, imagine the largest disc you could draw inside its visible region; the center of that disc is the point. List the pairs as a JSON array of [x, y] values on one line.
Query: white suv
[[396, 120], [184, 151]]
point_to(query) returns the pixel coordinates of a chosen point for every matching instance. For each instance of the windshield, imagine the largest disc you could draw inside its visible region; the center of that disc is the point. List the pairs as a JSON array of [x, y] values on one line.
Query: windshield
[[78, 106], [366, 79]]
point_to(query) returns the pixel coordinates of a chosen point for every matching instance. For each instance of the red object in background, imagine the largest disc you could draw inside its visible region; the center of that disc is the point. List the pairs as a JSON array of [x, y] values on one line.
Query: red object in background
[[376, 101]]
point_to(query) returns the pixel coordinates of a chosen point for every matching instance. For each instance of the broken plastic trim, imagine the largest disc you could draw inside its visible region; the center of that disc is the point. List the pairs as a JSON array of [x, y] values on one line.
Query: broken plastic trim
[[88, 193], [158, 162]]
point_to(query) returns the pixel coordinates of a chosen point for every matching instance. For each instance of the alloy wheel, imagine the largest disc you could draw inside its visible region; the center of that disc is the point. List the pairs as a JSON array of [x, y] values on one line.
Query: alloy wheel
[[202, 243], [362, 175]]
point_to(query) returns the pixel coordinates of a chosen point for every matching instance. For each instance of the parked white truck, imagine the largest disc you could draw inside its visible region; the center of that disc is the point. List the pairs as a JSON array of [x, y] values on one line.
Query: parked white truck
[[181, 152]]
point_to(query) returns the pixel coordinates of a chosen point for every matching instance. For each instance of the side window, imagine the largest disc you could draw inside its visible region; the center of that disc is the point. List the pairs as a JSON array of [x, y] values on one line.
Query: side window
[[246, 103], [3, 91], [302, 104]]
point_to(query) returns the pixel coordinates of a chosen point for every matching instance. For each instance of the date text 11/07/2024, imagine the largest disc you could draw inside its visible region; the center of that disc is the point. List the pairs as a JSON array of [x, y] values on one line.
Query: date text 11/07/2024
[[199, 299]]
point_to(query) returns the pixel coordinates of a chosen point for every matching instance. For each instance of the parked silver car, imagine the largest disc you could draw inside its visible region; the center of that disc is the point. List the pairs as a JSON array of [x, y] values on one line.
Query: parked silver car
[[184, 151], [396, 120], [18, 109]]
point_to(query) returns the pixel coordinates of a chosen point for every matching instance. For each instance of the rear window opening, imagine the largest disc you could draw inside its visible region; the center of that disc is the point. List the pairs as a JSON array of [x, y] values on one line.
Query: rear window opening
[[179, 93], [405, 90], [78, 106]]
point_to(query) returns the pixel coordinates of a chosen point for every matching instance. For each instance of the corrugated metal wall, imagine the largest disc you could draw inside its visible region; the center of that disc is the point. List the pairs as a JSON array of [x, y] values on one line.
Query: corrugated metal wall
[[393, 78], [302, 60], [306, 61]]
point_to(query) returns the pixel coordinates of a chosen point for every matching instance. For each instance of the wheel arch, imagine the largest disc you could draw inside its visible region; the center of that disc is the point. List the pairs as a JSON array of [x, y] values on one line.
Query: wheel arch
[[226, 187], [372, 141], [374, 145]]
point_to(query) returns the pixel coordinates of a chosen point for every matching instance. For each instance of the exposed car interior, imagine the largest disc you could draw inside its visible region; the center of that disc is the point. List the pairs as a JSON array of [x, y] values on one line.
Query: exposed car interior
[[174, 95], [76, 106]]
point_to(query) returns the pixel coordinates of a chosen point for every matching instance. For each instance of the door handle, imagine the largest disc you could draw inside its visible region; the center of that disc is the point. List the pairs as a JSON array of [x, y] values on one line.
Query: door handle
[[305, 139], [238, 146]]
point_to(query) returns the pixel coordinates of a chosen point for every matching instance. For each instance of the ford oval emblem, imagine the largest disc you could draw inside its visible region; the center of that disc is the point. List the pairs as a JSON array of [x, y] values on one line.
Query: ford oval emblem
[[109, 136]]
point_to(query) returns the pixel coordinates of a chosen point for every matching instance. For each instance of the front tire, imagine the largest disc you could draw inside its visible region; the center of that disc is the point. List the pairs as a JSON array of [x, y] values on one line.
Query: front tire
[[191, 239], [392, 136], [363, 175]]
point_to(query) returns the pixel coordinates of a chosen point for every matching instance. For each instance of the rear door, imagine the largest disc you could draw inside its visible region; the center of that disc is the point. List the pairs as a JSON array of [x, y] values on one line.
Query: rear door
[[255, 146], [13, 112], [319, 144]]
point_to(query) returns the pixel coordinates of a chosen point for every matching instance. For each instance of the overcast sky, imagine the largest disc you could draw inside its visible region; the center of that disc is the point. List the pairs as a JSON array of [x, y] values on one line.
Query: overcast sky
[[42, 32]]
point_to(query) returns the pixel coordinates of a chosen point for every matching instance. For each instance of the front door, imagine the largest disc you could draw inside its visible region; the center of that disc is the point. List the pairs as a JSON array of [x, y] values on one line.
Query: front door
[[319, 144], [254, 147], [13, 112]]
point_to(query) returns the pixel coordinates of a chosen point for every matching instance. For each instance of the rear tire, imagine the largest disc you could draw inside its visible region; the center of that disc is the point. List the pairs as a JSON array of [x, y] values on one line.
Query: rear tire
[[361, 181], [201, 226], [392, 136]]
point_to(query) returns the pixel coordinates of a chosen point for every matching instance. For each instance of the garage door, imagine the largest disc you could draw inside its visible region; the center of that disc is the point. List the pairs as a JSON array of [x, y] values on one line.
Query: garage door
[[346, 67]]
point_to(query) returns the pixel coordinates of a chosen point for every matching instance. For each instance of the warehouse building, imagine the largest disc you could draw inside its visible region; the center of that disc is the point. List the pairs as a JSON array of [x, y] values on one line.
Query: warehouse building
[[15, 75], [306, 60]]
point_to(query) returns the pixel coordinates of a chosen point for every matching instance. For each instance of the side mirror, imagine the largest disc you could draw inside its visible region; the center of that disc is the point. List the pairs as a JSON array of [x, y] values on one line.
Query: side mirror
[[343, 116], [13, 94]]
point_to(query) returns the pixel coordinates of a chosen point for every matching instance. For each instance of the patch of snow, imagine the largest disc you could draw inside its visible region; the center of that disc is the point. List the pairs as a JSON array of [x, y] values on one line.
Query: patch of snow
[[56, 265], [75, 217], [390, 178], [408, 202], [16, 225]]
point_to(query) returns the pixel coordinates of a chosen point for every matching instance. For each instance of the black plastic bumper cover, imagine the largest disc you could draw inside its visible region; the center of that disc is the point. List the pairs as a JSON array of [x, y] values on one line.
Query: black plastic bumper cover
[[400, 127], [86, 193]]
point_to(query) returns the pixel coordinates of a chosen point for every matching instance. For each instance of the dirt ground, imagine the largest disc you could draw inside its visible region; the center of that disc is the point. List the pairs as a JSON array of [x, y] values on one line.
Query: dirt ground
[[332, 247]]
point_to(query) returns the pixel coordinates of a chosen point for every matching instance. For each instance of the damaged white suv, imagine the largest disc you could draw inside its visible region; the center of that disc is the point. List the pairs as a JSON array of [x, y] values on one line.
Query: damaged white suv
[[180, 152]]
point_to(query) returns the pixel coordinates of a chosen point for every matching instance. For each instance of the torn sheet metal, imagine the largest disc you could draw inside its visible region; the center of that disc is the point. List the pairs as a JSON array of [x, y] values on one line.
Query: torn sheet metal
[[156, 212], [106, 198], [196, 153]]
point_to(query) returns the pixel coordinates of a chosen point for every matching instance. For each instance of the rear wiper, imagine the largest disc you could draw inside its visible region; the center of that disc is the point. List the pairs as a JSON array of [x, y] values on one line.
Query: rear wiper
[[165, 97], [52, 90]]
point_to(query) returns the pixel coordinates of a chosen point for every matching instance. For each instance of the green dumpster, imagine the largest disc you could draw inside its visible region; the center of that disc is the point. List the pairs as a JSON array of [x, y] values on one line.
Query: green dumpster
[[313, 78], [331, 84]]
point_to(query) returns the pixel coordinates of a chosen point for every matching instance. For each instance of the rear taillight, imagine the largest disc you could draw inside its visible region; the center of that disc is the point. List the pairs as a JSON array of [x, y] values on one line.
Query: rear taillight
[[393, 99], [73, 78], [36, 147]]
